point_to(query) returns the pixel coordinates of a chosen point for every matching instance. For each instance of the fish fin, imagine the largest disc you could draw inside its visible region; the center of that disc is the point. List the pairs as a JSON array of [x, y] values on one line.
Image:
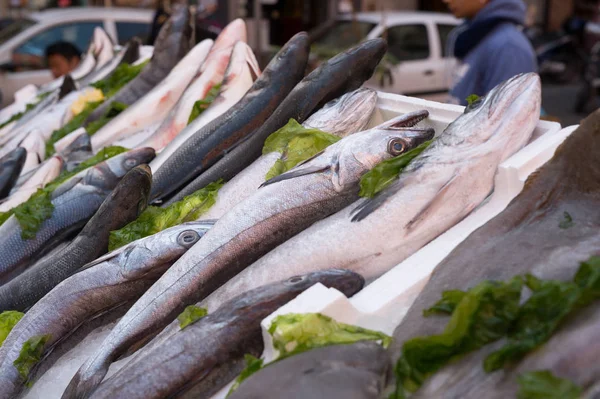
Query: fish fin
[[132, 51], [295, 173], [67, 87], [371, 205]]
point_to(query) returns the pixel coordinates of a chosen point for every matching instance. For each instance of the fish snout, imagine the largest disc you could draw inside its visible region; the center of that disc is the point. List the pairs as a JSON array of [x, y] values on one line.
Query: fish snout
[[345, 281]]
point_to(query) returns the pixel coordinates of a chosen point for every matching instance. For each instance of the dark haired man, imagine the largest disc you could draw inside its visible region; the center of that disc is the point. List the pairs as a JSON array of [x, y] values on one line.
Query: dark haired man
[[62, 58]]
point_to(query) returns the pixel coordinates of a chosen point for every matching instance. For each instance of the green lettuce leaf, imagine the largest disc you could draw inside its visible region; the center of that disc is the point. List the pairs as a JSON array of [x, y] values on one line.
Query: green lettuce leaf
[[201, 105], [190, 315], [295, 333], [115, 109], [446, 305], [122, 75], [386, 172], [544, 385], [253, 365], [8, 319], [19, 115], [482, 316], [155, 219], [472, 98], [296, 144], [30, 354]]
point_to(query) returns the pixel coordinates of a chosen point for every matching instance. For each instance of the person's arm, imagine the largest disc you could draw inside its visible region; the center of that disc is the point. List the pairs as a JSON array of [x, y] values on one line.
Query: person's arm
[[504, 63]]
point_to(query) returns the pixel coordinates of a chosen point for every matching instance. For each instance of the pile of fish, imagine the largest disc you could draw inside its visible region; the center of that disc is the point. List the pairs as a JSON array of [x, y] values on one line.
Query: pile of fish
[[154, 209]]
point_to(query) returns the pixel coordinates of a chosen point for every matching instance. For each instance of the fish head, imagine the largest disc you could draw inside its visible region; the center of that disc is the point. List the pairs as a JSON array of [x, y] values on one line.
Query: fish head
[[234, 31], [101, 47], [361, 152], [242, 65], [345, 115], [508, 110], [106, 175], [151, 254], [345, 281]]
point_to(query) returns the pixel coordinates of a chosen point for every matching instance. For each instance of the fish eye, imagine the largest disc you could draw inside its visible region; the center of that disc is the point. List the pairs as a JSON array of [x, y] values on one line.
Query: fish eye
[[130, 162], [188, 238], [295, 279], [474, 105], [396, 146]]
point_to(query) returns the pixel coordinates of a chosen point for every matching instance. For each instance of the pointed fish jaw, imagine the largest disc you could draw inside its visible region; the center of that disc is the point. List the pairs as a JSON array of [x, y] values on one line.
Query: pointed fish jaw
[[235, 31]]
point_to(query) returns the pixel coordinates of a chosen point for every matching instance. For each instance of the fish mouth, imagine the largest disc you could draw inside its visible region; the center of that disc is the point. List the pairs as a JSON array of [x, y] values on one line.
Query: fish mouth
[[507, 95], [408, 120]]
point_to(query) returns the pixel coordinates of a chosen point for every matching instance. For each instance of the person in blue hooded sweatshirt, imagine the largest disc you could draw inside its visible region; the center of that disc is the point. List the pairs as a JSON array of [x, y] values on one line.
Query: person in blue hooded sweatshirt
[[489, 46]]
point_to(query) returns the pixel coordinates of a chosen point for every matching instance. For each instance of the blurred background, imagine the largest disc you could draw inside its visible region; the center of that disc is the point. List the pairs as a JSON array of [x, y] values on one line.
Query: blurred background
[[564, 33]]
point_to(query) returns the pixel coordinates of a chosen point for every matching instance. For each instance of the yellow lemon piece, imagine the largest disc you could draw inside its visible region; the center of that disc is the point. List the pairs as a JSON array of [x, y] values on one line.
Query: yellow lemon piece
[[88, 97]]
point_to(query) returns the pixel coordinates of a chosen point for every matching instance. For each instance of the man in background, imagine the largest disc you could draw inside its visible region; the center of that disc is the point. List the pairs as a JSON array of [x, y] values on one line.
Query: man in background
[[62, 58], [490, 46]]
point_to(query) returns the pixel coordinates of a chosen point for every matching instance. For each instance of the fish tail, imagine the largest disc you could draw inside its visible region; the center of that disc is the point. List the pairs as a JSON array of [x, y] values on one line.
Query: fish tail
[[82, 388]]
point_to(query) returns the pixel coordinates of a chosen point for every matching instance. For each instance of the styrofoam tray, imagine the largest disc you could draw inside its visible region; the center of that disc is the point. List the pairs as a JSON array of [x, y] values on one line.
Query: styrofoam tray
[[383, 303]]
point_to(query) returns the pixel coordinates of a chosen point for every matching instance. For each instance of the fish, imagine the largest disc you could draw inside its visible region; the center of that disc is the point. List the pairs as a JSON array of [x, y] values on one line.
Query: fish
[[343, 116], [129, 54], [36, 150], [102, 285], [345, 72], [357, 371], [175, 39], [230, 61], [42, 176], [216, 343], [208, 144], [157, 103], [122, 206], [75, 202], [526, 237], [10, 169], [283, 207], [63, 146], [434, 192]]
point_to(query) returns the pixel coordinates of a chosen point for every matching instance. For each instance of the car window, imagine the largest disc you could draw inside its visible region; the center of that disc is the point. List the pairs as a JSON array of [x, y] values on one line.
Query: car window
[[408, 42], [14, 29], [344, 34], [443, 32], [79, 34], [128, 30]]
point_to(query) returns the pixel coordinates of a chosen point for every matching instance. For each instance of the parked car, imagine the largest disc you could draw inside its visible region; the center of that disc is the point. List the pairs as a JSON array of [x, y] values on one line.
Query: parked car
[[419, 66], [23, 43]]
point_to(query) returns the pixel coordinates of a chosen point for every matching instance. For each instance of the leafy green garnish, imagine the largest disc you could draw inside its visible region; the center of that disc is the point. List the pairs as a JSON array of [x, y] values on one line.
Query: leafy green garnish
[[472, 98], [201, 105], [446, 305], [544, 385], [297, 144], [386, 172], [19, 115], [190, 315], [566, 222], [155, 219], [30, 354], [122, 75], [8, 319], [113, 110], [38, 208], [253, 365], [71, 126], [483, 315], [294, 333]]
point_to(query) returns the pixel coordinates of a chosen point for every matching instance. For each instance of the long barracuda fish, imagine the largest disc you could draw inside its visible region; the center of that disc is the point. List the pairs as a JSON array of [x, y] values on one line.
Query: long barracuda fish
[[435, 191], [345, 72], [157, 103], [341, 117], [175, 39], [236, 80], [208, 144], [104, 284], [10, 169], [283, 207], [221, 340], [74, 201], [122, 206]]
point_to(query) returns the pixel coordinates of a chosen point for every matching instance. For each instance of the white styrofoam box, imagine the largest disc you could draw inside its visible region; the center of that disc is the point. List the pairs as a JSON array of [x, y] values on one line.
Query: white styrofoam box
[[383, 303]]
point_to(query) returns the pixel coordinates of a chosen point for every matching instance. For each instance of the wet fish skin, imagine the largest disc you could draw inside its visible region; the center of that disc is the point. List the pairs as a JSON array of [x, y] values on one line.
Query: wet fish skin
[[208, 144], [10, 169], [81, 142], [104, 284], [283, 207], [122, 206], [341, 117], [526, 238], [175, 39], [78, 151], [355, 371], [434, 184], [343, 73], [75, 201], [221, 337]]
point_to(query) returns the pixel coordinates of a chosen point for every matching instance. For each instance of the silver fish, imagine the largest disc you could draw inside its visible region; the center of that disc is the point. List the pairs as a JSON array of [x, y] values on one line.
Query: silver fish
[[435, 191], [216, 343], [11, 165], [111, 280], [283, 207]]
